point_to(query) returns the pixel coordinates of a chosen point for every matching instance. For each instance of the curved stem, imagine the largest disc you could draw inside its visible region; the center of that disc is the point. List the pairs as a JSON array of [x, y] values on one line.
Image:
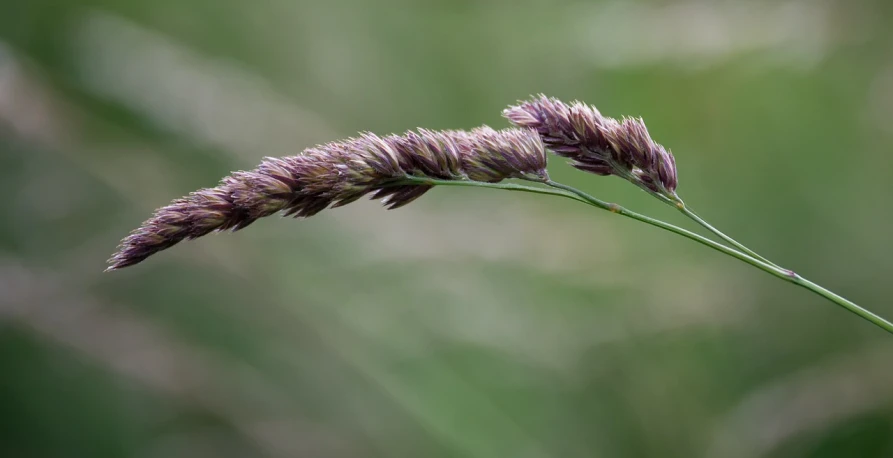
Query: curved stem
[[694, 217], [580, 196], [671, 199], [768, 267], [481, 184], [614, 208]]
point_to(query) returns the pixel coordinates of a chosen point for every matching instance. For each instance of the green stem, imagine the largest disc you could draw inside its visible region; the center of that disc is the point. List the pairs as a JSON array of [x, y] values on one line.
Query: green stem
[[614, 208], [765, 266], [481, 184], [670, 198], [694, 217], [580, 196]]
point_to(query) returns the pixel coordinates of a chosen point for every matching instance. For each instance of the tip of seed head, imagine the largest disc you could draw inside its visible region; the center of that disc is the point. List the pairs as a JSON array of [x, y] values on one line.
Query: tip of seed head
[[597, 143]]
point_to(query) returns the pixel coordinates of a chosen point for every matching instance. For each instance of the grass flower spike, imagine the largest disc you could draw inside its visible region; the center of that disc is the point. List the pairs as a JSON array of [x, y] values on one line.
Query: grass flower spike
[[393, 168], [400, 168]]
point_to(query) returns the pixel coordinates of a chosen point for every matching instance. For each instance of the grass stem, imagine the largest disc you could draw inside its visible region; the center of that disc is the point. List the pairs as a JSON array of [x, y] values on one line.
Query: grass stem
[[566, 191]]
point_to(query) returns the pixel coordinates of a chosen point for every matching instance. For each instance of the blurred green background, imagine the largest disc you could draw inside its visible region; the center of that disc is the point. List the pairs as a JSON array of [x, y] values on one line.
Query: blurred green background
[[472, 323]]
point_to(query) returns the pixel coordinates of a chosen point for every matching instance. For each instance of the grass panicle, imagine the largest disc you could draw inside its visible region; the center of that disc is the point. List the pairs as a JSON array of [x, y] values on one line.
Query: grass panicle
[[335, 174]]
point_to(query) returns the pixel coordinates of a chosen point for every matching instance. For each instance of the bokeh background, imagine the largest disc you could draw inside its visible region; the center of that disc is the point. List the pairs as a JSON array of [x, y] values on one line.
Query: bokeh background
[[472, 323]]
